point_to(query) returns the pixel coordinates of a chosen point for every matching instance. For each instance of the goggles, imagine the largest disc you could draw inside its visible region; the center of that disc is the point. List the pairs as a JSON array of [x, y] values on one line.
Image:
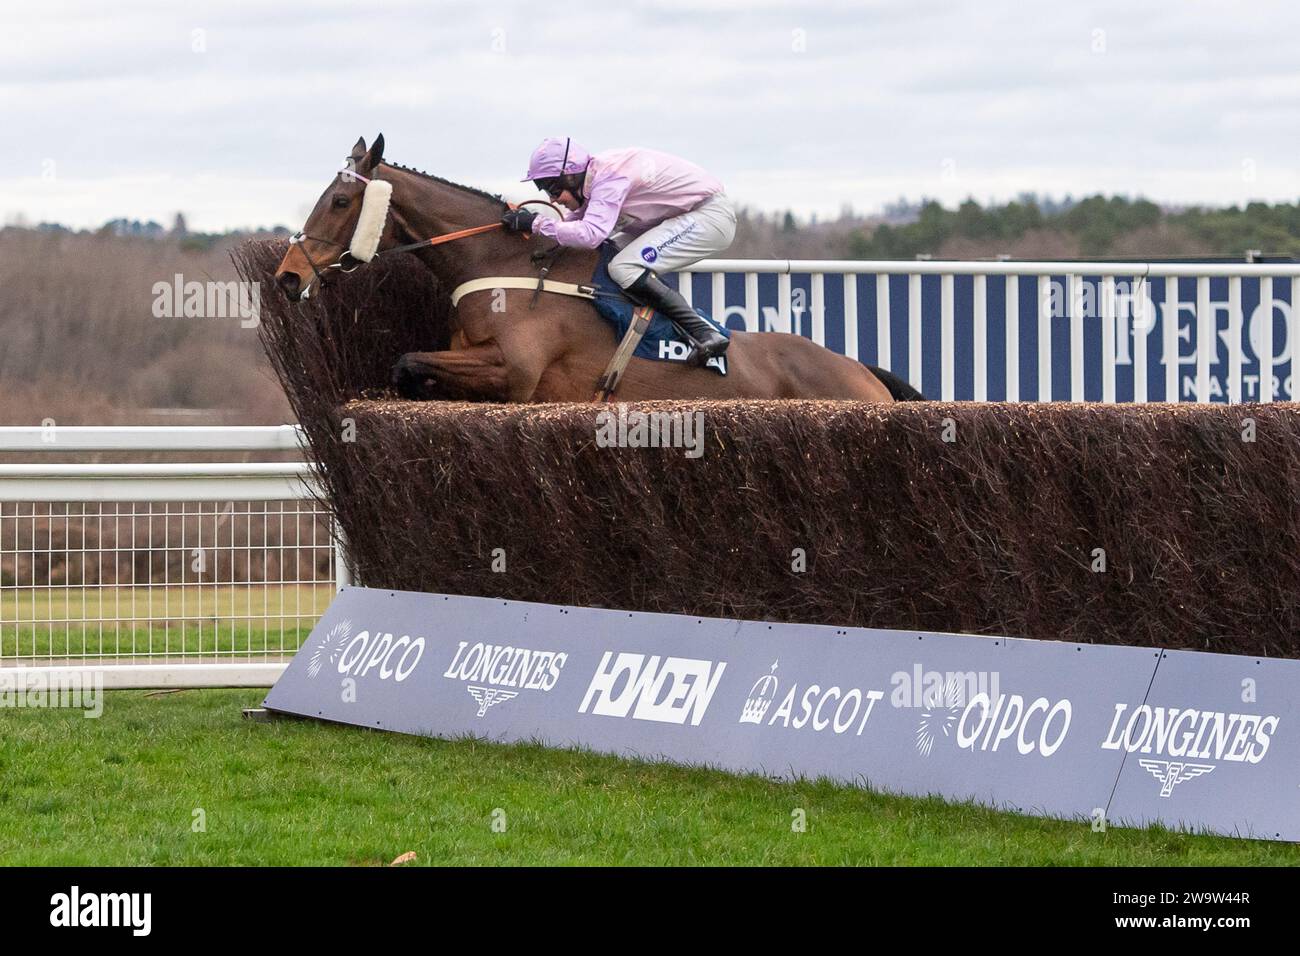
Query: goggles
[[553, 186]]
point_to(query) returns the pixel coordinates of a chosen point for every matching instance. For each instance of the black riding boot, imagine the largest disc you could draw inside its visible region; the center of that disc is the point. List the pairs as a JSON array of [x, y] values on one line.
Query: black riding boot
[[650, 290]]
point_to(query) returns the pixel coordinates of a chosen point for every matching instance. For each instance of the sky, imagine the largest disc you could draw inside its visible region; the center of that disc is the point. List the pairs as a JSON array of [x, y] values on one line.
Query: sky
[[237, 113]]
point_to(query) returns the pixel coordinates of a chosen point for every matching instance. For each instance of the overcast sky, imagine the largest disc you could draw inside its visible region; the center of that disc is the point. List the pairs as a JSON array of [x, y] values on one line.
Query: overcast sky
[[237, 113]]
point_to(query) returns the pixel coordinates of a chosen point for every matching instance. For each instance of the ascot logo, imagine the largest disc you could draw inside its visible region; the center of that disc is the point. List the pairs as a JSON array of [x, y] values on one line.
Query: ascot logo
[[761, 696], [497, 666], [821, 707], [1172, 774], [669, 690]]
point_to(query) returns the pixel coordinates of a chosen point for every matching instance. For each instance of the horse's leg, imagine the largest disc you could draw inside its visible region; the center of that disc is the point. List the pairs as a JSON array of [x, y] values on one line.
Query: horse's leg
[[493, 371], [477, 372]]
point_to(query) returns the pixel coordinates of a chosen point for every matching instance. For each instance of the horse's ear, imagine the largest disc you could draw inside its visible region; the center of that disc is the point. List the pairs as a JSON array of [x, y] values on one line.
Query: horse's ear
[[359, 150], [376, 155]]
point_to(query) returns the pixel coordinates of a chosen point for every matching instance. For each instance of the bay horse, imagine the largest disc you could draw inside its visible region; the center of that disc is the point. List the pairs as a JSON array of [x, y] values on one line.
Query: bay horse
[[506, 347]]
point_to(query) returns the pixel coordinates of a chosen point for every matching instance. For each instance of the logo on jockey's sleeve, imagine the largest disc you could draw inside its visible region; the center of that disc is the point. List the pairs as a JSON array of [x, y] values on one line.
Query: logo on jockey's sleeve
[[649, 254]]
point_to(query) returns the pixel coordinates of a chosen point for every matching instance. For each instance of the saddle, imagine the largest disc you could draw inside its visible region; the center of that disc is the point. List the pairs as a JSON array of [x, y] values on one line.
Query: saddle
[[641, 331]]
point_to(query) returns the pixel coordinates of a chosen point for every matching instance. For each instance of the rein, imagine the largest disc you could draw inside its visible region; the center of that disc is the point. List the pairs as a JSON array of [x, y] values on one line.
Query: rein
[[613, 373], [298, 237]]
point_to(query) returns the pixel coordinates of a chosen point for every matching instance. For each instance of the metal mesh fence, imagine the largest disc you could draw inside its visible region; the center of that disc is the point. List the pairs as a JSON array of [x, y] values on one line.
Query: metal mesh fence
[[181, 581]]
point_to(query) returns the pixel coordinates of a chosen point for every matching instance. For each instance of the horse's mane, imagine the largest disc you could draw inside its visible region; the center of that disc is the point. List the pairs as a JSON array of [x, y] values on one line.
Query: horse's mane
[[494, 197]]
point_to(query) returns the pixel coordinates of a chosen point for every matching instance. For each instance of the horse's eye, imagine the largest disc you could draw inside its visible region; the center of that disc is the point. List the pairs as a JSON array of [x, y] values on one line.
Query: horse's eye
[[340, 202]]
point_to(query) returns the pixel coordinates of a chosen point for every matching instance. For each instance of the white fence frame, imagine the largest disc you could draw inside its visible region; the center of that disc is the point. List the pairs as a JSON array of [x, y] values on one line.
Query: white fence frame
[[848, 270], [158, 481]]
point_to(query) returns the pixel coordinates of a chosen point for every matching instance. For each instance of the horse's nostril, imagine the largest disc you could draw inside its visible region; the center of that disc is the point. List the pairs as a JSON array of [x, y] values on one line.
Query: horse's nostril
[[289, 282]]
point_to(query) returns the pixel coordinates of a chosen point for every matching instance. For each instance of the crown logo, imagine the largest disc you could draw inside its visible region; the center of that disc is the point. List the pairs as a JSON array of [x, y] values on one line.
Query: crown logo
[[760, 698]]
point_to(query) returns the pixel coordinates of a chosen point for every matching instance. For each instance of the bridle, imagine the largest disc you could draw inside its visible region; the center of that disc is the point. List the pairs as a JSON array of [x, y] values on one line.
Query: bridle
[[319, 272]]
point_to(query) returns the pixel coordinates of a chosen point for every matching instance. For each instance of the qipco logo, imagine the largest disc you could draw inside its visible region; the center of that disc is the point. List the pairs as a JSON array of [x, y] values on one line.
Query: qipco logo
[[989, 722], [389, 658]]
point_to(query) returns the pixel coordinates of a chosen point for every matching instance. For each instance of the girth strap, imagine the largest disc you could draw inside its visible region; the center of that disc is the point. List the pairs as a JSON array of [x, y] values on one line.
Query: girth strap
[[608, 382]]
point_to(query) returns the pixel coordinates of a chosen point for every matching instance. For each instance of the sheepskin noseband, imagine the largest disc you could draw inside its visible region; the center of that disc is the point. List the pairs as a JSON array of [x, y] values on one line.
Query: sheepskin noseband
[[374, 211]]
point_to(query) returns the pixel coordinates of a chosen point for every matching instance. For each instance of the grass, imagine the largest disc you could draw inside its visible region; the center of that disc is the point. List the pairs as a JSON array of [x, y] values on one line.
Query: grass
[[158, 620], [126, 788]]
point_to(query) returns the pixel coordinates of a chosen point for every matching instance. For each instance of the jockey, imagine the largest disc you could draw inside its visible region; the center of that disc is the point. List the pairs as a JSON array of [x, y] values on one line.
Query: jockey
[[661, 211]]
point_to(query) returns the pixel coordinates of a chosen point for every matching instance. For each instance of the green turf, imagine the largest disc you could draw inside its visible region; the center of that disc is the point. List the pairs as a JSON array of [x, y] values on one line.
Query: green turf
[[123, 789], [158, 621], [239, 642]]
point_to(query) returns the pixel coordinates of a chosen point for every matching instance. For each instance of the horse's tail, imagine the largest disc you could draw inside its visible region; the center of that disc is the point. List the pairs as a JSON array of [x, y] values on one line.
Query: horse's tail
[[898, 387]]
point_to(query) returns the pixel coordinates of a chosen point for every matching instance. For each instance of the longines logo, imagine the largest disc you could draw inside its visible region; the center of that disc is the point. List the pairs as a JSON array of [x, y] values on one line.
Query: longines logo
[[487, 696], [1172, 774], [1189, 734], [1197, 734], [494, 667], [822, 707], [671, 690]]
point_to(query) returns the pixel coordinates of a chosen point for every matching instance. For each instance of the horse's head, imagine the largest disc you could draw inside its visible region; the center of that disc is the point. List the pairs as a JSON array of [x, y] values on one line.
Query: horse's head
[[344, 228]]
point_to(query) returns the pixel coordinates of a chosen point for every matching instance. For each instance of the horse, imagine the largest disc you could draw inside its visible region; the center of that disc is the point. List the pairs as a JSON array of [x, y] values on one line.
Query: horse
[[510, 345]]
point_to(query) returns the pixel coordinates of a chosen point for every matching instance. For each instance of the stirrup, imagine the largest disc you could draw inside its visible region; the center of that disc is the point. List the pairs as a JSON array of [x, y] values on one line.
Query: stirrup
[[700, 352]]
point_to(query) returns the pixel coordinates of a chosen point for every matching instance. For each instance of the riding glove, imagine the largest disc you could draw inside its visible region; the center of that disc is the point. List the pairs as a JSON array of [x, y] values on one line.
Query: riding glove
[[518, 220]]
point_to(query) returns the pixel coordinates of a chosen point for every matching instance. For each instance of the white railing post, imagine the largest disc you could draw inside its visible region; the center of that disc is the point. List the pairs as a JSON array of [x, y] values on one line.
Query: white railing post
[[1169, 335], [1293, 338], [1236, 331], [883, 345], [980, 338], [947, 340], [1074, 311], [1013, 338], [342, 566], [914, 329], [818, 306], [1108, 356], [1140, 325], [1265, 339], [1204, 338], [851, 316], [1044, 338]]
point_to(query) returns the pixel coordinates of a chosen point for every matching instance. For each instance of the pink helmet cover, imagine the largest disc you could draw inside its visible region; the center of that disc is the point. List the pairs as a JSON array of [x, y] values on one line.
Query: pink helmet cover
[[547, 157]]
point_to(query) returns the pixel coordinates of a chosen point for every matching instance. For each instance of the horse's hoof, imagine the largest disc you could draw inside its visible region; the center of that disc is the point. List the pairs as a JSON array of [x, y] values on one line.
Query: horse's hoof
[[403, 379]]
